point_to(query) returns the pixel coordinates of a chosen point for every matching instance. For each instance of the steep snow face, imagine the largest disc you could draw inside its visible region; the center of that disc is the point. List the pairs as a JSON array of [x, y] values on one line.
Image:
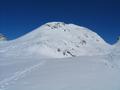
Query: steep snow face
[[57, 39]]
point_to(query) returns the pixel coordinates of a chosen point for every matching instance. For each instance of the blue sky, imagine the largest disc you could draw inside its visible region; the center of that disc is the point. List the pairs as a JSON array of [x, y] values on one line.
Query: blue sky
[[18, 17]]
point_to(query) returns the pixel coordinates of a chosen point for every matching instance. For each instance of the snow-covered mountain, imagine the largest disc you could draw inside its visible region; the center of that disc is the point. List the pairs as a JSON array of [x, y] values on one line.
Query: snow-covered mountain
[[26, 63], [57, 39]]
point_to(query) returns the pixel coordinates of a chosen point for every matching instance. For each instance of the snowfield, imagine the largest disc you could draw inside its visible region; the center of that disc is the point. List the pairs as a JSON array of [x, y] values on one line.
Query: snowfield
[[59, 56], [77, 73]]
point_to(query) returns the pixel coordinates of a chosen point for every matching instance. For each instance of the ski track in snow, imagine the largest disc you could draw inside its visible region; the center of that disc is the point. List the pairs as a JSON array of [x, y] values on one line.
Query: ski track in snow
[[18, 75], [110, 59]]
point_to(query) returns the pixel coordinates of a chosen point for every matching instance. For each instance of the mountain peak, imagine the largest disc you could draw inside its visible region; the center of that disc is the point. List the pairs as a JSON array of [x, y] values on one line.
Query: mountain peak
[[55, 24]]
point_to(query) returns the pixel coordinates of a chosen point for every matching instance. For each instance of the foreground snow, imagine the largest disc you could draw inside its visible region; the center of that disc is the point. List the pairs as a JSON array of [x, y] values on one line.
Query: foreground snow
[[80, 73]]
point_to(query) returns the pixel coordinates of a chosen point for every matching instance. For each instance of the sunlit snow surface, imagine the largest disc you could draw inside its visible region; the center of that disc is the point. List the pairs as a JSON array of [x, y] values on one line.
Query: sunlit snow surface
[[77, 73], [57, 40], [50, 59]]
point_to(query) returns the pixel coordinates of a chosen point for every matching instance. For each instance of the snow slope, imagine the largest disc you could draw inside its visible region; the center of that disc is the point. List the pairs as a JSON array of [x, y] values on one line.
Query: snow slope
[[116, 48], [114, 56], [57, 40], [77, 73], [35, 61]]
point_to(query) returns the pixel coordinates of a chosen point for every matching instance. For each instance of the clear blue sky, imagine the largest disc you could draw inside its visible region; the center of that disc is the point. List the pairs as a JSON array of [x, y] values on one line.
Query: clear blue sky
[[18, 17]]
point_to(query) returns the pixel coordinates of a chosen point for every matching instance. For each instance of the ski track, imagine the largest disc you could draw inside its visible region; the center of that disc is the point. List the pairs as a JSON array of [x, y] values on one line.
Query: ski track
[[111, 60], [18, 75]]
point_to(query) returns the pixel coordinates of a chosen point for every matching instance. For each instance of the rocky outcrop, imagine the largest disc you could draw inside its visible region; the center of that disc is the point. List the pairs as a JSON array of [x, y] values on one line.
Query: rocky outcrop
[[2, 37]]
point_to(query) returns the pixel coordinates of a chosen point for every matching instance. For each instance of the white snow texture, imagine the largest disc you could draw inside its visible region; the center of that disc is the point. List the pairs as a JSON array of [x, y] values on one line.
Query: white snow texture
[[59, 56]]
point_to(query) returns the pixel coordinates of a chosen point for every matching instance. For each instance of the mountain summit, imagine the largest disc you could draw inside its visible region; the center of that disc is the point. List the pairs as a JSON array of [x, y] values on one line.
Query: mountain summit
[[58, 39]]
